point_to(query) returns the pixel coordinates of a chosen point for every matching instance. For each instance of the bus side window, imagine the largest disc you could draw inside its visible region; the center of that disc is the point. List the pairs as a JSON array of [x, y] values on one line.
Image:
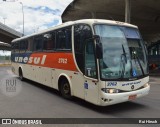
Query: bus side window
[[68, 39], [63, 39], [16, 47], [26, 45], [38, 43], [13, 47], [20, 46], [60, 40], [49, 41], [23, 46], [30, 45]]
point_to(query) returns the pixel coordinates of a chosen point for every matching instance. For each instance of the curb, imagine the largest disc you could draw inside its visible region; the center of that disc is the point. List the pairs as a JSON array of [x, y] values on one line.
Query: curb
[[5, 65]]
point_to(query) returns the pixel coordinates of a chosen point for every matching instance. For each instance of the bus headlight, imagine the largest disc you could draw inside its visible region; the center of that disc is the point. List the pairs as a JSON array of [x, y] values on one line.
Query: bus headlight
[[106, 90]]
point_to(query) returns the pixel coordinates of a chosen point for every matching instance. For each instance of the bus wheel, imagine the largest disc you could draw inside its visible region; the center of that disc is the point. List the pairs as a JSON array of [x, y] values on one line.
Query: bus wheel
[[65, 89], [21, 74]]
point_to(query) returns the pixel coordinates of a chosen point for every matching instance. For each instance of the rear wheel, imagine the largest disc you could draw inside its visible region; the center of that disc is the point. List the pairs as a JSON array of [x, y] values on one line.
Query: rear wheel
[[21, 75], [65, 89]]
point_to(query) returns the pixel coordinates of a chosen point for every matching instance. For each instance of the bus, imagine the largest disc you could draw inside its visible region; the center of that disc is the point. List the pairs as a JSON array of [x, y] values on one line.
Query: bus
[[154, 56], [101, 61]]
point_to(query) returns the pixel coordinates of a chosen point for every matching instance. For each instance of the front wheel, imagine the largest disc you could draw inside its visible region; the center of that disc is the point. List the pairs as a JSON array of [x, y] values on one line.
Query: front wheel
[[65, 89]]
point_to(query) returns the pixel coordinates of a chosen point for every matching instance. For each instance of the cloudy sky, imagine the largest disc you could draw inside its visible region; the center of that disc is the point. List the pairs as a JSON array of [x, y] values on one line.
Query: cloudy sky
[[38, 14]]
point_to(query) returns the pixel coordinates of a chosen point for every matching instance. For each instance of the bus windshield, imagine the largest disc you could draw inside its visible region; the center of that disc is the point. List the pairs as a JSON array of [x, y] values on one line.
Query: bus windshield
[[124, 54]]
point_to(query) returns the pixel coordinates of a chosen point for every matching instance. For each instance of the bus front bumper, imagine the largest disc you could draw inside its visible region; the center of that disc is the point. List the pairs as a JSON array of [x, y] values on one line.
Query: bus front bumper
[[110, 99]]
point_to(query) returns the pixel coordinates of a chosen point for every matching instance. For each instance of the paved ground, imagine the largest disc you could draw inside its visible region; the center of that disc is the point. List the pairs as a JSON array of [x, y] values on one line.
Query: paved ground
[[32, 100]]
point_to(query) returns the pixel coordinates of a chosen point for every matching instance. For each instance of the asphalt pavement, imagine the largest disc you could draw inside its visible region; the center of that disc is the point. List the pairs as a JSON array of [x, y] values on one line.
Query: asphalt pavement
[[33, 100]]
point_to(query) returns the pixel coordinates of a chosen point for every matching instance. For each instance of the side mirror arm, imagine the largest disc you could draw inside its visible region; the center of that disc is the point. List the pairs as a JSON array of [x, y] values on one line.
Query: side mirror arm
[[99, 49]]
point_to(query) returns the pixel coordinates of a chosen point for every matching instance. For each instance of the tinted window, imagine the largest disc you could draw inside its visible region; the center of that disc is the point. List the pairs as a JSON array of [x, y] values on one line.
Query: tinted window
[[49, 41], [38, 43], [16, 46], [63, 39], [23, 45], [13, 47], [30, 44], [81, 34]]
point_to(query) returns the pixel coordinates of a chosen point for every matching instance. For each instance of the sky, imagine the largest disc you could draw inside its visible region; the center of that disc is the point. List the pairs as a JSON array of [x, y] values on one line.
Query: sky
[[38, 14]]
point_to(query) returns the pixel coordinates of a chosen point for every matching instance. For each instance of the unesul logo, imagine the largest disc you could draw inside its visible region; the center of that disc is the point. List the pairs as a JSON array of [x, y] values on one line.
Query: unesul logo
[[34, 60]]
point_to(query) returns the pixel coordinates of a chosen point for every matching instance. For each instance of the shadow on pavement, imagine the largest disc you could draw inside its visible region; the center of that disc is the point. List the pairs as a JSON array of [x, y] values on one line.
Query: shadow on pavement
[[41, 86], [112, 109]]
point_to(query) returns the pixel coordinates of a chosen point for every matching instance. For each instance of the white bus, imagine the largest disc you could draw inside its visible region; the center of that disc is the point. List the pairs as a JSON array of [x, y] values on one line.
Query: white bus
[[103, 62]]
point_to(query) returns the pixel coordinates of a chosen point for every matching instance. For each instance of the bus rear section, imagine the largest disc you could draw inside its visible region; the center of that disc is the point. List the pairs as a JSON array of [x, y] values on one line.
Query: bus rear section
[[154, 57]]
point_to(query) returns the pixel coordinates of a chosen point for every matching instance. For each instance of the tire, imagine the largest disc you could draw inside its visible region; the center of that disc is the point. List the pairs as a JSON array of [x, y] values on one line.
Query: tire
[[21, 75], [65, 89]]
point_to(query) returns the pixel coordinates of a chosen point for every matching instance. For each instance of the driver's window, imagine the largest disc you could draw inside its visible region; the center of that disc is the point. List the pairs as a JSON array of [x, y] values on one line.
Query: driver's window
[[90, 61]]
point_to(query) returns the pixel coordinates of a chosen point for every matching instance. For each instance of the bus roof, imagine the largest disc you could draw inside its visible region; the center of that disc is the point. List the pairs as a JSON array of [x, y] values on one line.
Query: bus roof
[[86, 21]]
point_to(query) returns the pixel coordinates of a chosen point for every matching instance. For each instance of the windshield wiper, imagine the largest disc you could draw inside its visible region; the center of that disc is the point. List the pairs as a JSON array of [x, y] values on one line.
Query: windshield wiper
[[139, 64], [124, 53], [122, 61]]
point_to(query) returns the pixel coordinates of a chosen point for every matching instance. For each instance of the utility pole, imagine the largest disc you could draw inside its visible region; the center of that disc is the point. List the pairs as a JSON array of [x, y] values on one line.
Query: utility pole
[[23, 16], [127, 11], [4, 19], [22, 12]]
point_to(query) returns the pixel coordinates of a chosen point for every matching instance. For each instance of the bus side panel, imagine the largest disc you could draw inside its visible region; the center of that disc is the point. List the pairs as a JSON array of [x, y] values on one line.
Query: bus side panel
[[39, 74], [76, 81], [28, 72], [46, 76], [53, 60], [45, 68], [15, 67]]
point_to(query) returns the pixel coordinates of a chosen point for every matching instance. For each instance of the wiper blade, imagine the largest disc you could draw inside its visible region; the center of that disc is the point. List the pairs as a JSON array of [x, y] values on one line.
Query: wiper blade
[[123, 66], [122, 61], [140, 64], [124, 53]]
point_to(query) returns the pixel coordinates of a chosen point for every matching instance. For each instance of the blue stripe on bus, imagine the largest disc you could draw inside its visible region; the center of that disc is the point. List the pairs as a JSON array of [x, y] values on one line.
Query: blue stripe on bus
[[18, 55]]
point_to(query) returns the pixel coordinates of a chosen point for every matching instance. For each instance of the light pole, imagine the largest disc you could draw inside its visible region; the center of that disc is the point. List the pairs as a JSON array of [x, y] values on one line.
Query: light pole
[[22, 11], [127, 11], [23, 16], [4, 19]]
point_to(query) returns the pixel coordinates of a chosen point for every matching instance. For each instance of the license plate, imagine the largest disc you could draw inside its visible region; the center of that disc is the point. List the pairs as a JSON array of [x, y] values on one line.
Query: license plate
[[132, 97]]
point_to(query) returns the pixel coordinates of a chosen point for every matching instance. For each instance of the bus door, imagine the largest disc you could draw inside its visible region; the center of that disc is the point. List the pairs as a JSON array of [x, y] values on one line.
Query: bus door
[[90, 83]]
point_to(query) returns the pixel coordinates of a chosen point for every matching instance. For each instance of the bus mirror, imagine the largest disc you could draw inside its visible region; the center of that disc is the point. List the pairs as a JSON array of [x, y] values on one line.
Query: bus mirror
[[97, 38], [99, 49], [47, 36]]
